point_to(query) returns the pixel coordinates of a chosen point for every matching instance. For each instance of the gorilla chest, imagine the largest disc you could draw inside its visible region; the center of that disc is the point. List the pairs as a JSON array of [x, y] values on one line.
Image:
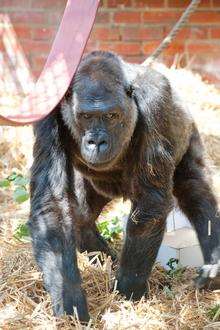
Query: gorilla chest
[[112, 184], [110, 189]]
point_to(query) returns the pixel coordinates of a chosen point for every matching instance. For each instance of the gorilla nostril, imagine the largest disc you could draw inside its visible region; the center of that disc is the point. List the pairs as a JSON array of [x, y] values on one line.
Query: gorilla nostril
[[103, 145], [91, 145]]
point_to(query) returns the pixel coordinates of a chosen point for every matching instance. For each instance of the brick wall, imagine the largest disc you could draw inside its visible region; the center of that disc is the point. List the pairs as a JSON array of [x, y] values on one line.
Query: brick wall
[[132, 28]]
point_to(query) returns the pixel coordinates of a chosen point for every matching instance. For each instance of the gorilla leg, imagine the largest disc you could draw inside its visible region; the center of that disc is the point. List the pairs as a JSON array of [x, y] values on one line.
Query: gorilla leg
[[90, 205], [53, 238], [53, 219], [144, 234], [197, 201]]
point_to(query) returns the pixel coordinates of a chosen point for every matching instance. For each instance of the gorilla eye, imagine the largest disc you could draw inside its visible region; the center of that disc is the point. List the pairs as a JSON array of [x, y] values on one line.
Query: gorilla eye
[[87, 116], [111, 115], [129, 90]]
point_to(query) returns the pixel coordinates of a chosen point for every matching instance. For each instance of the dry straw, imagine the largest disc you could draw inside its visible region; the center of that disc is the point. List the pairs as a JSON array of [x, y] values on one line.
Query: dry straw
[[173, 303]]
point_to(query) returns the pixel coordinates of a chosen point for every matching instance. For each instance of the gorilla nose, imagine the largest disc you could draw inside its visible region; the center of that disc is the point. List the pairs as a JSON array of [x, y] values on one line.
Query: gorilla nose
[[99, 142]]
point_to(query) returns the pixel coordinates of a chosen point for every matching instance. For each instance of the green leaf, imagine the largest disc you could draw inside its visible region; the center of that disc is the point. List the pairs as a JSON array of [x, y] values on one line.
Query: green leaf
[[20, 181], [110, 229], [12, 177], [20, 195], [5, 183], [22, 232], [214, 313], [172, 263]]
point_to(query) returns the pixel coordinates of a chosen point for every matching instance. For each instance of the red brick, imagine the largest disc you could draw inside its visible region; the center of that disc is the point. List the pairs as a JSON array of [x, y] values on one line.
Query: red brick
[[119, 3], [183, 33], [127, 17], [205, 3], [175, 48], [199, 32], [101, 33], [150, 46], [215, 33], [205, 17], [114, 34], [134, 59], [203, 47], [15, 3], [160, 17], [122, 48], [31, 46], [138, 33], [43, 33], [128, 48], [149, 3], [209, 76], [28, 17], [216, 3], [178, 3], [23, 32], [193, 32], [91, 45], [102, 17], [185, 3], [2, 46], [47, 4], [54, 17], [38, 61]]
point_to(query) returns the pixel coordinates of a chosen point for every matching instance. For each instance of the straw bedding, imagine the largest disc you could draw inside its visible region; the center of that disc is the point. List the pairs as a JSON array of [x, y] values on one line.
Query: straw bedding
[[25, 305]]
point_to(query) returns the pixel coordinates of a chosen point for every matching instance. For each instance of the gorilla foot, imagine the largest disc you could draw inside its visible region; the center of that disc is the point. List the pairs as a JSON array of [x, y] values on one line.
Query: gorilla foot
[[72, 300], [92, 241], [132, 286], [209, 274], [209, 277]]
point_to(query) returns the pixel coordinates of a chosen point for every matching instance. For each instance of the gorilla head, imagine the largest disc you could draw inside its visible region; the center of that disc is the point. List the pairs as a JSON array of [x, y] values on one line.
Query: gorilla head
[[100, 110]]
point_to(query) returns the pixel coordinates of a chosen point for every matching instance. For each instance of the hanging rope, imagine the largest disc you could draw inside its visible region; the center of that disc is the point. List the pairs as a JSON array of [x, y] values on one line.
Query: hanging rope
[[177, 27]]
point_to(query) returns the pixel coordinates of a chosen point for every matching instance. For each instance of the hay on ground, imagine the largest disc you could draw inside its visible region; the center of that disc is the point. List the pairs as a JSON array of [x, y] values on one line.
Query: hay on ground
[[172, 304]]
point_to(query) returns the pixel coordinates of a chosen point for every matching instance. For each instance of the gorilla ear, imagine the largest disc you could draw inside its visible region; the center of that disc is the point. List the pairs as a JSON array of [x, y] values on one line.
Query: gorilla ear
[[129, 90], [142, 99]]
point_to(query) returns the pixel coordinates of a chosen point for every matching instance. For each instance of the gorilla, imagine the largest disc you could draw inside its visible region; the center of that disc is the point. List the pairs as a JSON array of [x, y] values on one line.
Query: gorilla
[[120, 131]]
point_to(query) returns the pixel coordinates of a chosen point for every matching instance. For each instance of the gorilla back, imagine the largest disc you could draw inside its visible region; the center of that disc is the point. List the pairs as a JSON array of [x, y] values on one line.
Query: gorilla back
[[120, 130]]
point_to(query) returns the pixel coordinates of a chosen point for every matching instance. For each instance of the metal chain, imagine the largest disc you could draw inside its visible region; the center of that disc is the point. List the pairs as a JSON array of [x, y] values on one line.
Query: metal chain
[[177, 27]]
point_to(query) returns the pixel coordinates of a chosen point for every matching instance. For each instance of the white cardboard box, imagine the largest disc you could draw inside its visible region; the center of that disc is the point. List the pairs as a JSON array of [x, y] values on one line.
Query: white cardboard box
[[180, 242]]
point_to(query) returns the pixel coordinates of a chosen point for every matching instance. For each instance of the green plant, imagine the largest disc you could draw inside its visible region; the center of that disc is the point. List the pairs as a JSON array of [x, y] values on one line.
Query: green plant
[[214, 313], [168, 292], [176, 270], [110, 229], [19, 184], [22, 233]]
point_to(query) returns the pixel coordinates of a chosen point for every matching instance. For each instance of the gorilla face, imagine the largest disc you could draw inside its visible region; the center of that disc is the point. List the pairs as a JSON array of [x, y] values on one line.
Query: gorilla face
[[101, 129], [103, 114]]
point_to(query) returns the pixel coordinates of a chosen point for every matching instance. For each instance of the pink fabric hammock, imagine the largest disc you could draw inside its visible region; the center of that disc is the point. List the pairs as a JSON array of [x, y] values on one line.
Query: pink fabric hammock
[[61, 65]]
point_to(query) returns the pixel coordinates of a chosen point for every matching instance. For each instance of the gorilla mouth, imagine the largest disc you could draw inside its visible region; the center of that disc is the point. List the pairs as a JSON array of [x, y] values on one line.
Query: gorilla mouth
[[96, 161]]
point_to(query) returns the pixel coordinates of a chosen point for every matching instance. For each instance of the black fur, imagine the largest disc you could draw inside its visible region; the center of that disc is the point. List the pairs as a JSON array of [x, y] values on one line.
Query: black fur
[[120, 131]]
